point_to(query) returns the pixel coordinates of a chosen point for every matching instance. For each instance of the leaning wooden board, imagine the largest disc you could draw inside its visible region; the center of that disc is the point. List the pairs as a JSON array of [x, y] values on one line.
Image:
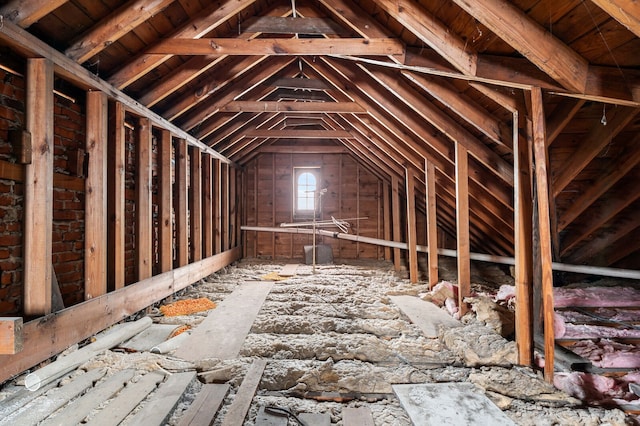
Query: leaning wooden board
[[238, 410]]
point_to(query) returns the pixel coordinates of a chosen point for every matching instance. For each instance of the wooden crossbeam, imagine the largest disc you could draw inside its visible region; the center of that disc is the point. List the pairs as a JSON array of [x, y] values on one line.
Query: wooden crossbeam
[[291, 25], [278, 46], [308, 107], [298, 134], [301, 83]]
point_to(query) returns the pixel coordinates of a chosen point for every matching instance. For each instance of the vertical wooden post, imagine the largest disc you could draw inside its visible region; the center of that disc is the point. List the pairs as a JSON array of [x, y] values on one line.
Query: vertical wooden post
[[395, 217], [523, 246], [386, 218], [233, 206], [195, 204], [165, 201], [116, 194], [38, 189], [432, 224], [225, 206], [144, 224], [217, 185], [95, 220], [207, 207], [411, 225], [181, 206], [462, 226], [544, 226]]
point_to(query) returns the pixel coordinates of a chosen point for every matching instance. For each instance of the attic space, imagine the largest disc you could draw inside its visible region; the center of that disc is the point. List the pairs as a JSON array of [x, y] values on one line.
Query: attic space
[[342, 212]]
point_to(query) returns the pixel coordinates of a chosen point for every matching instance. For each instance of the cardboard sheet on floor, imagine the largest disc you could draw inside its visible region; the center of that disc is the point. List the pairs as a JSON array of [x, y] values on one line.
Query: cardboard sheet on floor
[[288, 270], [224, 330], [427, 316], [449, 404], [149, 337]]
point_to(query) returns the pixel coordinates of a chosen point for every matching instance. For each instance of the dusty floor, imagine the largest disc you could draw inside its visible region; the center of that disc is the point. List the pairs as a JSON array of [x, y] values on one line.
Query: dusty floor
[[334, 334]]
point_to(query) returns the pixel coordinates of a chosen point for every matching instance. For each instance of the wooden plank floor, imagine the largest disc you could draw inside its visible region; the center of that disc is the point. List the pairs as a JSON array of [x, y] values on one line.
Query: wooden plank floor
[[222, 333], [240, 405], [204, 408]]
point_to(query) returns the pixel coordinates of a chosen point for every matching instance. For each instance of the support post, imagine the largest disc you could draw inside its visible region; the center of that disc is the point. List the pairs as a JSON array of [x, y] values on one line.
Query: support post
[[432, 223], [395, 218], [523, 246], [143, 201], [207, 207], [217, 197], [95, 220], [544, 227], [181, 206], [386, 215], [116, 194], [411, 225], [462, 226], [38, 208], [10, 335], [224, 234], [195, 203], [165, 202]]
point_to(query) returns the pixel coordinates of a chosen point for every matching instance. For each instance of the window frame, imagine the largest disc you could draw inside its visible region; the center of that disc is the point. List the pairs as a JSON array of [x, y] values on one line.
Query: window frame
[[305, 214]]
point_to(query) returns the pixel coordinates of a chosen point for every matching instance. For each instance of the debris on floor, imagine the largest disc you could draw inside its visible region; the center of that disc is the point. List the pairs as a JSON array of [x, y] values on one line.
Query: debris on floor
[[186, 307]]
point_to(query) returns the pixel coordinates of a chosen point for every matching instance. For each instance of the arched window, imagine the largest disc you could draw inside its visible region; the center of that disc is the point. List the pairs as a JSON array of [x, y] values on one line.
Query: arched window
[[305, 191]]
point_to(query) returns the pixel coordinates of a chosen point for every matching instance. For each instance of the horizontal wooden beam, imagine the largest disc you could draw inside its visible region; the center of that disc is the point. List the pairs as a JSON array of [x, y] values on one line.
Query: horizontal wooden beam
[[298, 134], [307, 107], [10, 335], [306, 149], [47, 336], [291, 25], [301, 83], [30, 46], [278, 46]]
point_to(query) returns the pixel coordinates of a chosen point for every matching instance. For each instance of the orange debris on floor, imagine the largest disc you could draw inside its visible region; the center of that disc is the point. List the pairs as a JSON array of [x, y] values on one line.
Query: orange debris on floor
[[186, 307]]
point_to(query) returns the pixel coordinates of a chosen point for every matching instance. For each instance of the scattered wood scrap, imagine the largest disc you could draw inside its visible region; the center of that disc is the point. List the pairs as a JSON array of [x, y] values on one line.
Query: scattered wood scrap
[[204, 408], [289, 270], [240, 405], [427, 316]]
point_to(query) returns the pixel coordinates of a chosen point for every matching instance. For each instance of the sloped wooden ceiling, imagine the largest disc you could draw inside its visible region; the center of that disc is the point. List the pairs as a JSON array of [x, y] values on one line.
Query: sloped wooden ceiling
[[397, 82]]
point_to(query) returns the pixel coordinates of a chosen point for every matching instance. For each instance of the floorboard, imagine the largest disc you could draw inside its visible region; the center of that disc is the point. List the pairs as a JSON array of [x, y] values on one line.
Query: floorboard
[[241, 403], [223, 331], [204, 408], [164, 400]]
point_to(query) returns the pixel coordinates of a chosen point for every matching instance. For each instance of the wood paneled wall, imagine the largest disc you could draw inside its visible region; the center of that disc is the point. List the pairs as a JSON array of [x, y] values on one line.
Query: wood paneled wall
[[352, 191]]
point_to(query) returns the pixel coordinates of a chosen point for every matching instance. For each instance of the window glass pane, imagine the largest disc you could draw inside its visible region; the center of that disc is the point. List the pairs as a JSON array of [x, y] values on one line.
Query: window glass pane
[[306, 191]]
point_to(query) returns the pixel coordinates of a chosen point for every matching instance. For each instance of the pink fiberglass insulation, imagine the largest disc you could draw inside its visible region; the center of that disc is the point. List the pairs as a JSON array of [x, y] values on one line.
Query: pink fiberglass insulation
[[608, 354], [621, 315], [596, 296], [584, 331], [596, 388]]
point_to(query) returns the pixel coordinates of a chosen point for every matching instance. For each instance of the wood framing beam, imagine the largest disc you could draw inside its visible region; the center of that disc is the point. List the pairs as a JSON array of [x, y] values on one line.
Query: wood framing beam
[[544, 228], [165, 201], [26, 12], [523, 254], [278, 46], [195, 204], [397, 235], [300, 83], [561, 116], [306, 107], [208, 19], [46, 338], [529, 38], [386, 214], [207, 207], [225, 206], [410, 188], [297, 134], [431, 31], [38, 188], [180, 191], [462, 227], [625, 12], [307, 149], [95, 220], [110, 29], [30, 46], [217, 197], [617, 169], [144, 222], [432, 219], [291, 25], [11, 338], [116, 194], [596, 140]]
